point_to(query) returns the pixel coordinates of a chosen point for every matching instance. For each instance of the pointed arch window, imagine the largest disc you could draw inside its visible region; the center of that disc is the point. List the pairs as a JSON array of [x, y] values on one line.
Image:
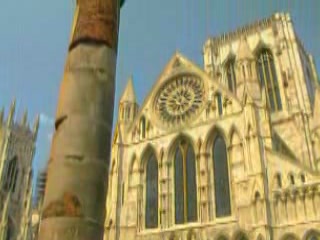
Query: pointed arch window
[[219, 102], [221, 177], [151, 210], [142, 128], [243, 70], [309, 85], [279, 180], [291, 178], [268, 79], [303, 178], [231, 76], [222, 237], [12, 174], [127, 112], [313, 236], [241, 236], [185, 183], [9, 232]]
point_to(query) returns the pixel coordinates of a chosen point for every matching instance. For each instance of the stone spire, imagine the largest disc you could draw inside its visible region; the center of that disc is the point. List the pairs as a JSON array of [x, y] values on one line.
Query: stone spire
[[35, 128], [1, 115], [24, 119], [11, 113], [128, 93], [76, 187], [128, 107]]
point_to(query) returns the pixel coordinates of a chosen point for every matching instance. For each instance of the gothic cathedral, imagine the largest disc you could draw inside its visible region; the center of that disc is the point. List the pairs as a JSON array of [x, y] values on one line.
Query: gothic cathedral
[[17, 149], [226, 151]]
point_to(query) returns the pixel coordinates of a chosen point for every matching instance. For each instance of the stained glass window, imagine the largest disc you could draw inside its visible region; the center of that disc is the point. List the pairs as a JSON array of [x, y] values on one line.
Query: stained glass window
[[191, 186], [151, 214], [179, 186], [14, 180], [12, 174], [143, 128], [231, 76], [242, 237], [185, 184], [291, 177], [221, 178], [9, 231], [303, 178], [219, 102], [309, 83], [314, 237], [180, 99], [279, 180], [268, 79], [222, 238]]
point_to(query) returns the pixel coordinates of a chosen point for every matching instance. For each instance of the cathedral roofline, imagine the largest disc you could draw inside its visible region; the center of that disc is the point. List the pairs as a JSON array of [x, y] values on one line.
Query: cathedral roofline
[[247, 29], [176, 65], [12, 123]]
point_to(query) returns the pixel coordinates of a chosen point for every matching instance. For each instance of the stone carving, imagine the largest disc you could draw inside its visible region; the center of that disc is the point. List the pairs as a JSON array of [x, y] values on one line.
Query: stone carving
[[68, 206]]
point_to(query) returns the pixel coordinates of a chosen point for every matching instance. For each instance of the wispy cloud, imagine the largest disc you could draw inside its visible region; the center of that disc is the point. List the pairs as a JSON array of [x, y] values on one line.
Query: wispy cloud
[[46, 120]]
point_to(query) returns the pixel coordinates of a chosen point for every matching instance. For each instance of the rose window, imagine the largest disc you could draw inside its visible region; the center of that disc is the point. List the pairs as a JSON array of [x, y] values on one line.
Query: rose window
[[180, 99]]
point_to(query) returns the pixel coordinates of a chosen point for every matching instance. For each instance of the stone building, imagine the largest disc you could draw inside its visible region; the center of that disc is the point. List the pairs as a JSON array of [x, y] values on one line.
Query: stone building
[[40, 187], [230, 150], [17, 149], [37, 208]]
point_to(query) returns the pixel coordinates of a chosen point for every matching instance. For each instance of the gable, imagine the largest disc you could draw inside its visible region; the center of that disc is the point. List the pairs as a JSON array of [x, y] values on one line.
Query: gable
[[180, 66]]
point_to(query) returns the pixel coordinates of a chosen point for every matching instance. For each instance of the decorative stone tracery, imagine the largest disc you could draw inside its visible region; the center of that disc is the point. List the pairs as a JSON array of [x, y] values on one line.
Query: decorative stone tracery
[[180, 99]]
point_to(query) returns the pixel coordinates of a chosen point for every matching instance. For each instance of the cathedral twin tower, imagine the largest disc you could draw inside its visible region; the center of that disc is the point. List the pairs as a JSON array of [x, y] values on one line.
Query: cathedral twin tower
[[231, 151]]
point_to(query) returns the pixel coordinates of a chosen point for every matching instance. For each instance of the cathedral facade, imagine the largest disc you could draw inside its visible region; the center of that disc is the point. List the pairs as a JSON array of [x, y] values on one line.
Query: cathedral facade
[[17, 149], [226, 151]]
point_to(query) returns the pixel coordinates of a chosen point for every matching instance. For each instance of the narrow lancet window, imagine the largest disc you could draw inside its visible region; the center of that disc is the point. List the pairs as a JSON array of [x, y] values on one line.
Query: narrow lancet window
[[219, 102], [268, 80], [231, 76], [185, 183], [179, 186], [221, 177], [151, 213], [142, 128], [12, 174], [279, 180]]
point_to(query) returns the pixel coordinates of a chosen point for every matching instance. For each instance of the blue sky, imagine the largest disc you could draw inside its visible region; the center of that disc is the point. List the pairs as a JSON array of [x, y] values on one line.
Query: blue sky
[[35, 35]]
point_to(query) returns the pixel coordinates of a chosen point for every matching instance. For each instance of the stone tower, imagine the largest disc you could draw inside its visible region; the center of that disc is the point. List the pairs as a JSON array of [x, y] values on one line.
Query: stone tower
[[74, 202], [17, 149]]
